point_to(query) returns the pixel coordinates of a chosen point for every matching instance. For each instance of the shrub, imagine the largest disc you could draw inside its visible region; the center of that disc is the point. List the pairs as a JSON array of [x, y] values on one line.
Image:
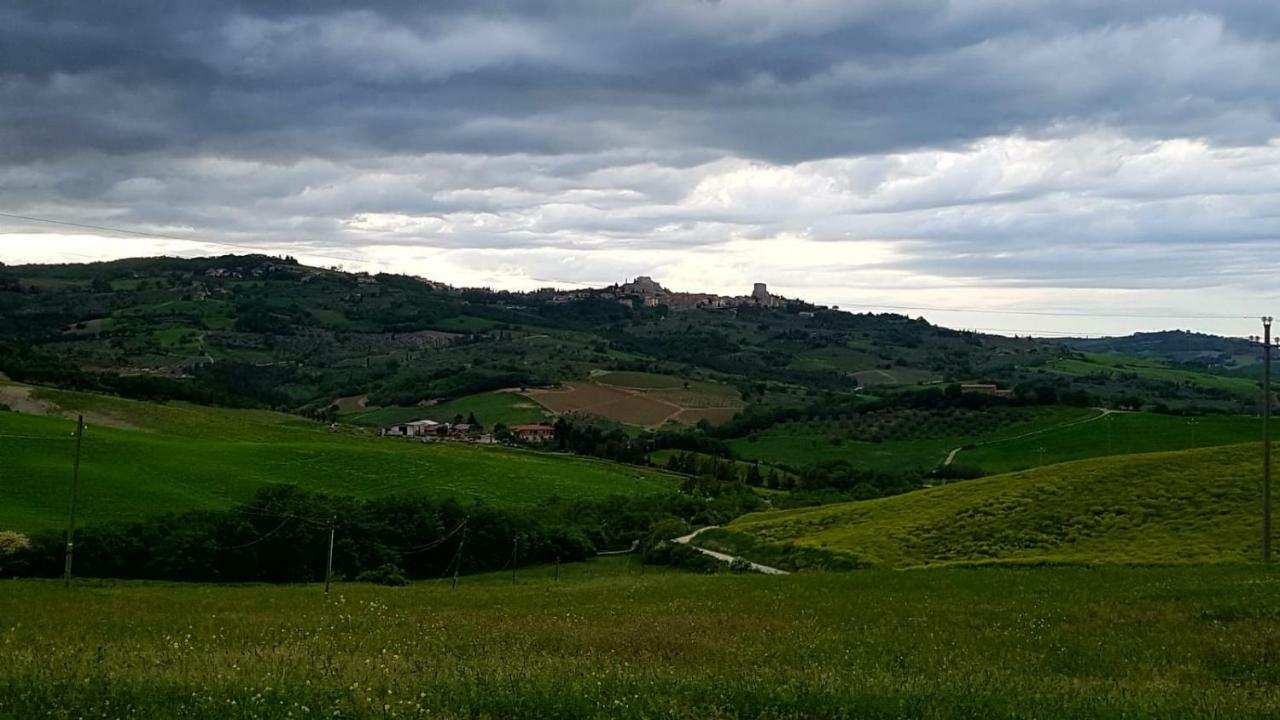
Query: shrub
[[388, 574]]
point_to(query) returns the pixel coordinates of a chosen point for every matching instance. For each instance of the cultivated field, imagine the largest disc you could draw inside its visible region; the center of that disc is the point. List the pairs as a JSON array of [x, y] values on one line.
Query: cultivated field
[[1029, 437], [643, 399], [1194, 642], [1116, 434], [1193, 506], [177, 457], [490, 408], [908, 442], [1113, 365]]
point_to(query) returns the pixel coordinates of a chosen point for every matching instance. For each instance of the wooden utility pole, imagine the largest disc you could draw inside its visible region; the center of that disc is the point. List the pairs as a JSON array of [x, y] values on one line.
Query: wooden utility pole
[[71, 513], [1266, 439], [328, 567], [458, 561], [515, 550]]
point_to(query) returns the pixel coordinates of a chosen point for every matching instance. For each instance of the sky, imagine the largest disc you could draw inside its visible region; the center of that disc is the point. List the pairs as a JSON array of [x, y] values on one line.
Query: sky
[[1017, 166]]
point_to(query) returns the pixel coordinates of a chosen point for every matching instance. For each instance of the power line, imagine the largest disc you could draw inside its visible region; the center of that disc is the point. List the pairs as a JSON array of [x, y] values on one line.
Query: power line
[[260, 538], [39, 437], [1050, 313], [1056, 333], [162, 236]]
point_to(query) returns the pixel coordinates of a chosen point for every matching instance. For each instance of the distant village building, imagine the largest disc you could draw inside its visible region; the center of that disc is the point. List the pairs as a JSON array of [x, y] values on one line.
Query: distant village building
[[984, 389], [643, 286], [533, 433], [650, 293], [417, 428]]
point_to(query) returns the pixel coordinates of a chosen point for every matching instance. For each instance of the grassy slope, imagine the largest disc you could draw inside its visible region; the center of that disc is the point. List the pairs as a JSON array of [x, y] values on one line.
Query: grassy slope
[[1049, 643], [1180, 507], [509, 408], [1115, 363], [1058, 430], [801, 444], [188, 457], [1128, 433]]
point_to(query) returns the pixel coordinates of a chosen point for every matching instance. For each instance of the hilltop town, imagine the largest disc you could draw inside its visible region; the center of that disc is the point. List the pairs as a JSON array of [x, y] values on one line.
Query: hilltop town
[[644, 290]]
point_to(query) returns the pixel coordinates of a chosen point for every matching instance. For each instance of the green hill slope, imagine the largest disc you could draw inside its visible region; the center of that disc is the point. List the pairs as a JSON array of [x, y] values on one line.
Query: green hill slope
[[141, 459], [1166, 508], [998, 440]]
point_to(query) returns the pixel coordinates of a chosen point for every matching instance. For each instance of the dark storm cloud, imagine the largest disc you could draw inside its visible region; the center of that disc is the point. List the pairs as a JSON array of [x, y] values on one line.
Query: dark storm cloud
[[799, 81]]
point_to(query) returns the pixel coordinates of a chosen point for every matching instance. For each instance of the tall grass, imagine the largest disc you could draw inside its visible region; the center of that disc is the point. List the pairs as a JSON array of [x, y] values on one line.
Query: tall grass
[[1193, 506], [1195, 642]]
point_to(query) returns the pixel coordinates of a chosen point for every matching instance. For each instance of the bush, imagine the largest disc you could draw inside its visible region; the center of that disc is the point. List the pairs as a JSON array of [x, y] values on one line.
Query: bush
[[388, 574]]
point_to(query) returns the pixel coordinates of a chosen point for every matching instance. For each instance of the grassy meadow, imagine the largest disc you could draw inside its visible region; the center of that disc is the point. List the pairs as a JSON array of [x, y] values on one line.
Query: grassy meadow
[[607, 642], [1029, 437], [141, 459], [1116, 434], [1117, 365], [1194, 506], [490, 408], [806, 442]]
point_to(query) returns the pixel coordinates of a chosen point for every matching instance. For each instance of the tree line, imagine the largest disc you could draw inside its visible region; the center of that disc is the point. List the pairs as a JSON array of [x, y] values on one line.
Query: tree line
[[282, 534]]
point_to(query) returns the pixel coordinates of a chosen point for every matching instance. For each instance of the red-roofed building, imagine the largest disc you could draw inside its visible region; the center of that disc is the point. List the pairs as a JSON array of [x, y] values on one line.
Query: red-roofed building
[[533, 433]]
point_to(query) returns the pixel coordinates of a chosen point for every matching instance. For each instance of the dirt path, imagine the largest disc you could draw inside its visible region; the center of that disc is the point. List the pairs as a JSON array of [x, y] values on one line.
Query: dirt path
[[722, 557], [1102, 412]]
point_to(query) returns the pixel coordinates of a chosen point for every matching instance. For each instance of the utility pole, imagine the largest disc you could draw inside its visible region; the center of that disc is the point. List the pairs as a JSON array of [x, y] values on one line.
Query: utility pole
[[458, 561], [1041, 451], [515, 548], [1193, 422], [557, 568], [328, 569], [71, 513], [1266, 437]]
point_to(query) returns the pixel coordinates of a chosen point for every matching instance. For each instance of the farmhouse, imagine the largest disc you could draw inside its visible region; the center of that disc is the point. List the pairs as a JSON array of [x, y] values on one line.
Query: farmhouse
[[533, 433], [985, 389], [417, 428]]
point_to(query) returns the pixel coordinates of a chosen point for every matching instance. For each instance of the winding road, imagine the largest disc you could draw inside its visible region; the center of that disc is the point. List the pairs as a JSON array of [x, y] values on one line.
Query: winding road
[[722, 557]]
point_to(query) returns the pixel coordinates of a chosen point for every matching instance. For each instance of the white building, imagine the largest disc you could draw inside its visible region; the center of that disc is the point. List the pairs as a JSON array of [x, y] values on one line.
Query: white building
[[417, 428]]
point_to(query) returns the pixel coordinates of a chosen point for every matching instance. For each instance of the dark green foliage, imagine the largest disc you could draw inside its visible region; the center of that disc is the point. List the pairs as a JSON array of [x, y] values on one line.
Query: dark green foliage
[[388, 575], [281, 536]]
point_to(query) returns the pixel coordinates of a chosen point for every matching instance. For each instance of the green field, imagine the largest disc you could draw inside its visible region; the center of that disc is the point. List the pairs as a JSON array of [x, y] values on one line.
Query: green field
[[1193, 506], [607, 643], [508, 408], [1116, 434], [805, 443], [181, 457], [1117, 365], [1042, 436]]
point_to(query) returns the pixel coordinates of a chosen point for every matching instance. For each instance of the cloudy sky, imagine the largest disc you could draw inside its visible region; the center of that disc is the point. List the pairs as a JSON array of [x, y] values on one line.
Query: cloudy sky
[[1093, 158]]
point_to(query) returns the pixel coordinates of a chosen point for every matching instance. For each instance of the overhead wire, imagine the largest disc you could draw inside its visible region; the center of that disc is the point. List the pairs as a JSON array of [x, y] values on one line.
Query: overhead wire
[[1050, 313], [261, 538]]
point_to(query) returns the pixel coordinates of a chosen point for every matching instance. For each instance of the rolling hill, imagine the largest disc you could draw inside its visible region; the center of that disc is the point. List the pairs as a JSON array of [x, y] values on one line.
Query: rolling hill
[[142, 459], [1195, 506]]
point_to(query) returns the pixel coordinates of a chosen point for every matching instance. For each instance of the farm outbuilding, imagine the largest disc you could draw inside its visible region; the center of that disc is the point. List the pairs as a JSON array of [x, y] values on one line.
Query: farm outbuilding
[[417, 428]]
